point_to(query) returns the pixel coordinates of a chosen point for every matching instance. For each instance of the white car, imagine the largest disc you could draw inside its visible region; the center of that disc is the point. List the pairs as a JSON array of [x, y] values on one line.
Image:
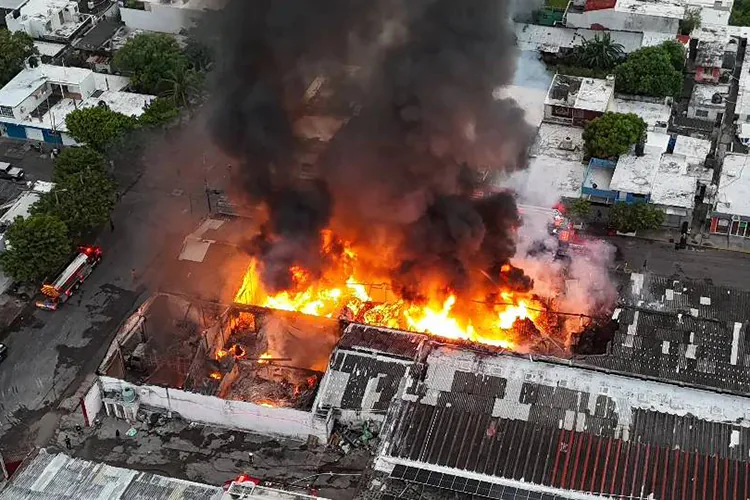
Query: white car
[[10, 172]]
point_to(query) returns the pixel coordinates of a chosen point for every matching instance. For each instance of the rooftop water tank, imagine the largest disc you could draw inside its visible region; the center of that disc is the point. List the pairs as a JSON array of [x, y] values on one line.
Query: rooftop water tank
[[128, 395]]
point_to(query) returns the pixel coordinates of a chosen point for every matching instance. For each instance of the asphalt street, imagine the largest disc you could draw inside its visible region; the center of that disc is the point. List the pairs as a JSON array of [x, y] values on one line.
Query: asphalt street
[[717, 267], [50, 353]]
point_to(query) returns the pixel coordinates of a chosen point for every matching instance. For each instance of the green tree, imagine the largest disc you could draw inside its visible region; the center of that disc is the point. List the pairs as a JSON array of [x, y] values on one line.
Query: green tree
[[199, 55], [740, 13], [98, 126], [649, 71], [578, 209], [74, 161], [82, 201], [676, 52], [181, 85], [14, 49], [612, 134], [36, 246], [631, 217], [599, 53], [149, 59], [159, 112], [691, 21]]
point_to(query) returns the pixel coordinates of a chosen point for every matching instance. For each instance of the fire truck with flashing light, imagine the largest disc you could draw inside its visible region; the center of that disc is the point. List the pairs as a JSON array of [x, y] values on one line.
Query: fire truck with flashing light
[[57, 291]]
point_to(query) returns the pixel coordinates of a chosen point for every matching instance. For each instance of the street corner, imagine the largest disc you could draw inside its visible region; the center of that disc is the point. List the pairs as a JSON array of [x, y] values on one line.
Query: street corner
[[36, 161]]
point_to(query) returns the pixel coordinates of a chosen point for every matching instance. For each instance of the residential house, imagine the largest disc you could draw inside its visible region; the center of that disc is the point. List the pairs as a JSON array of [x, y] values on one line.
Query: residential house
[[662, 16], [35, 103], [658, 172], [573, 100], [556, 167], [708, 102], [715, 54], [655, 114], [51, 20], [554, 42], [731, 208], [166, 16]]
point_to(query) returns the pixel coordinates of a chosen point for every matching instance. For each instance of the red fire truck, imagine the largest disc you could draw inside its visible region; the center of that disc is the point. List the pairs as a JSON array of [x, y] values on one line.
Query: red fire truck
[[57, 291]]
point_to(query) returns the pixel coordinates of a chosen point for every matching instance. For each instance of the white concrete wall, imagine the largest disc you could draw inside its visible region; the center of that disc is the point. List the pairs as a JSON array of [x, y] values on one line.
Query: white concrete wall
[[625, 21], [92, 402], [712, 113], [163, 18], [32, 102], [285, 422]]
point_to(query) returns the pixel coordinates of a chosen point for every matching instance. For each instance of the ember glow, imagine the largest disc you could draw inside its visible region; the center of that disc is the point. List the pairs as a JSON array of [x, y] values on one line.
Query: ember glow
[[488, 317]]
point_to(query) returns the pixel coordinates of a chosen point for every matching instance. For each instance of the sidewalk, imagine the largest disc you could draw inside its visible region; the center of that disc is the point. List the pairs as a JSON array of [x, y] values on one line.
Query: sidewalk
[[702, 240]]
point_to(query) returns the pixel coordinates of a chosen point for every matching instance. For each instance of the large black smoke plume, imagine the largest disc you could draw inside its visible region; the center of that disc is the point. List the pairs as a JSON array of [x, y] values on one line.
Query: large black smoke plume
[[407, 162]]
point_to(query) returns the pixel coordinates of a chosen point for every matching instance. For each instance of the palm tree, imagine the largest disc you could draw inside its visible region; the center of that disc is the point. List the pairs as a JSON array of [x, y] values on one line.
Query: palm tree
[[180, 85], [599, 53]]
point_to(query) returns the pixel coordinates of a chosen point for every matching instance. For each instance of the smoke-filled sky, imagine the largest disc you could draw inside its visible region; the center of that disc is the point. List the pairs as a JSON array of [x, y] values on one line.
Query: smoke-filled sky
[[402, 169]]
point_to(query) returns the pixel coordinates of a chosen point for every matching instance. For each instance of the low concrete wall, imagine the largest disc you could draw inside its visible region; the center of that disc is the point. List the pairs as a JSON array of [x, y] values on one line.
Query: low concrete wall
[[284, 422], [91, 403]]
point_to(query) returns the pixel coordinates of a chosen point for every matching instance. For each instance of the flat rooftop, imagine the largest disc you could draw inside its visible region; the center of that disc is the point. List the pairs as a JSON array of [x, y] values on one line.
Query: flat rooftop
[[709, 96], [733, 195], [674, 186], [56, 475], [548, 179], [591, 94], [694, 149], [656, 115], [553, 38], [658, 8], [635, 174], [559, 141]]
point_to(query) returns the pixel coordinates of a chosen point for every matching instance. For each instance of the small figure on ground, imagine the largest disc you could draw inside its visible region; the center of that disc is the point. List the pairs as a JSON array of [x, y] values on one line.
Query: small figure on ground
[[67, 442]]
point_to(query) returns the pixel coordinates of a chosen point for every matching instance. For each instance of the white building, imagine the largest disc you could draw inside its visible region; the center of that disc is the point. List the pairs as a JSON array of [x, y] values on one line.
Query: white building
[[56, 20], [655, 114], [661, 16], [573, 100], [708, 102], [556, 169], [731, 213], [35, 103], [167, 16]]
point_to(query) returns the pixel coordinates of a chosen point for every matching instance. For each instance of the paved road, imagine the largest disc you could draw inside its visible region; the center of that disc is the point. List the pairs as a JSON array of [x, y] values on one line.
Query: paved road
[[50, 353], [718, 267]]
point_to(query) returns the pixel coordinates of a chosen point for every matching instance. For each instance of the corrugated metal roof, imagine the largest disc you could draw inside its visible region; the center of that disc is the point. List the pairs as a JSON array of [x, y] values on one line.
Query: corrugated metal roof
[[58, 476]]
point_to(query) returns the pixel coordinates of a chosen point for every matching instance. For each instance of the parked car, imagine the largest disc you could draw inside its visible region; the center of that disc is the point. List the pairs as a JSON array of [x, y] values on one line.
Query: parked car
[[3, 351], [9, 172]]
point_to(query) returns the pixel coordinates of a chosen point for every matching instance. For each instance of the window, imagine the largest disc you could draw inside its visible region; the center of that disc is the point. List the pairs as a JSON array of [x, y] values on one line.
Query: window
[[6, 111], [701, 112], [559, 111], [722, 226]]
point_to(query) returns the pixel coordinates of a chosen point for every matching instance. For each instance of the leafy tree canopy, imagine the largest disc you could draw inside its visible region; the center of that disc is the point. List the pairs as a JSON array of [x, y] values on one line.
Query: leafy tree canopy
[[82, 201], [676, 52], [578, 208], [75, 161], [148, 59], [159, 112], [36, 247], [98, 126], [635, 217], [649, 71], [14, 49], [612, 134], [599, 53], [691, 22], [740, 13]]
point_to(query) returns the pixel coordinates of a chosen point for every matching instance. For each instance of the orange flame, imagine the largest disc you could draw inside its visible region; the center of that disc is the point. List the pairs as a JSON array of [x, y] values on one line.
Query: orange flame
[[341, 293], [265, 402], [263, 358], [216, 375]]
